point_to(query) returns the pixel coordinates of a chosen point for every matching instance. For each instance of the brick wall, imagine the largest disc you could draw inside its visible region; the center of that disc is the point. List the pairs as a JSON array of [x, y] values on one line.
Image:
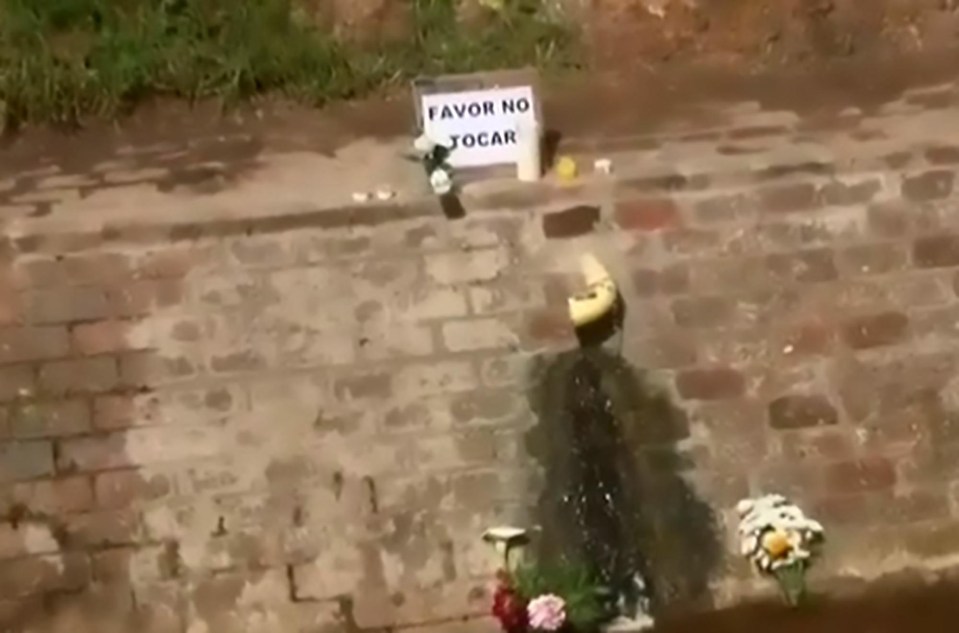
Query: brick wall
[[308, 430]]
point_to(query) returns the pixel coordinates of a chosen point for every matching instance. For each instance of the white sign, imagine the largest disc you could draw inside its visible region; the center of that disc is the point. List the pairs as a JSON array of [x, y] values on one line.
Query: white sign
[[481, 123]]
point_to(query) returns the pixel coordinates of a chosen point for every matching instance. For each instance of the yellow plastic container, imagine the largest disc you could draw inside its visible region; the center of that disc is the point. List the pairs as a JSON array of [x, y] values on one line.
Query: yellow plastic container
[[566, 169]]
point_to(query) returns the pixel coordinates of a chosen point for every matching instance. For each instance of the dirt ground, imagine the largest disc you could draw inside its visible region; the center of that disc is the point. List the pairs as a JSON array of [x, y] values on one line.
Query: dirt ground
[[763, 32], [930, 610]]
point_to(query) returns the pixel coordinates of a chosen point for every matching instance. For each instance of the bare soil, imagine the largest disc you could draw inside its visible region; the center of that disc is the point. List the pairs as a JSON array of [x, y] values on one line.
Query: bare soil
[[763, 32], [917, 610]]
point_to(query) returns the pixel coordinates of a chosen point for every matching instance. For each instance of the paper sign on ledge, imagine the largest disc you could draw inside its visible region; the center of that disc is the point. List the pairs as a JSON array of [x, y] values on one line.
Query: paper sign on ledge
[[482, 124]]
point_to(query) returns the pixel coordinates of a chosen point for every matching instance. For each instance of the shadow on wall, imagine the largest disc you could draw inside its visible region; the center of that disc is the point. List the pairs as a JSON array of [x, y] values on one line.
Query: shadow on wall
[[614, 498]]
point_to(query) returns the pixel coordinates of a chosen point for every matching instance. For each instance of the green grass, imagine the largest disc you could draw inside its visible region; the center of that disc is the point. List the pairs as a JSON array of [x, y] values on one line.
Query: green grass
[[64, 60]]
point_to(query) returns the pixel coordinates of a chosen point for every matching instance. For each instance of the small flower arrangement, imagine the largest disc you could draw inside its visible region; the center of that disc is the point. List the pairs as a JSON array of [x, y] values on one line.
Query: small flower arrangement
[[539, 599], [434, 155], [780, 540]]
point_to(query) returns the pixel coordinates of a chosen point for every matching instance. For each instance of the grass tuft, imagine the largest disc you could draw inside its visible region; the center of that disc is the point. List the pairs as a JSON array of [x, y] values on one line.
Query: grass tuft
[[63, 60]]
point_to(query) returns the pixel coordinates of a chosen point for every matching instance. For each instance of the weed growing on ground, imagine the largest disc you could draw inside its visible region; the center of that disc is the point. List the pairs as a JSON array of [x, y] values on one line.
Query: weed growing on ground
[[62, 60]]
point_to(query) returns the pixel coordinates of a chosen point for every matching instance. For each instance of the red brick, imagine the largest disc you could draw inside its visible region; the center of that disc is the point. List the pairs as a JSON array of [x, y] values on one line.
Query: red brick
[[809, 338], [937, 251], [97, 452], [718, 383], [112, 412], [670, 280], [571, 222], [140, 298], [913, 506], [76, 270], [689, 241], [50, 419], [60, 496], [20, 461], [103, 528], [79, 376], [943, 155], [800, 480], [820, 445], [549, 326], [932, 539], [19, 344], [43, 574], [66, 305], [805, 267], [891, 220], [247, 360], [171, 263], [788, 198], [113, 565], [931, 185], [651, 214], [557, 289], [364, 385], [874, 473], [14, 545], [147, 369], [15, 381], [875, 330], [843, 509], [122, 488], [702, 312], [874, 259], [897, 160], [841, 194], [724, 208], [801, 411], [101, 337]]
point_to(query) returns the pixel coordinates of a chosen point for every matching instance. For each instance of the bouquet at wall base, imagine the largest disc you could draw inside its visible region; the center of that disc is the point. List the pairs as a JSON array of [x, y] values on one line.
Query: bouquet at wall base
[[537, 599], [780, 540], [434, 155]]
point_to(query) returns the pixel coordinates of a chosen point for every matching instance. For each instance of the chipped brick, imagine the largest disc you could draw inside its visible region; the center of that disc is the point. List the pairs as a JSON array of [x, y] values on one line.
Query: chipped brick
[[943, 155], [719, 383], [788, 198], [806, 267], [801, 411], [702, 312], [650, 214], [571, 222], [936, 251], [873, 473], [875, 330], [930, 185]]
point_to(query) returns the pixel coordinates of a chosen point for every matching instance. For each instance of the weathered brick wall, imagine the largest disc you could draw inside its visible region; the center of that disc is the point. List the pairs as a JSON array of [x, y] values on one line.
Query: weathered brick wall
[[308, 430]]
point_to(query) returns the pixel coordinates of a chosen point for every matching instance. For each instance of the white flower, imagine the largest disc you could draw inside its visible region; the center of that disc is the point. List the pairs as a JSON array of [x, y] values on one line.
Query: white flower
[[774, 513], [440, 181], [424, 144]]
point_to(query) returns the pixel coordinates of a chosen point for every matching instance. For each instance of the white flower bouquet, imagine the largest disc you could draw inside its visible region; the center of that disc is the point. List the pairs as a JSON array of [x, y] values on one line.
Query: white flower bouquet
[[434, 154], [780, 540]]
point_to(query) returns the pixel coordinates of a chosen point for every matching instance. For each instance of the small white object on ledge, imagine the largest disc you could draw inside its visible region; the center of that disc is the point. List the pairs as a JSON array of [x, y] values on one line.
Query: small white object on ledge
[[603, 166], [384, 194], [361, 197]]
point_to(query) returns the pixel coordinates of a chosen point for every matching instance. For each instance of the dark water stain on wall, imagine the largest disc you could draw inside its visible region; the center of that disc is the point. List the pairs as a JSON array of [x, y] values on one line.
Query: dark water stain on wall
[[614, 497]]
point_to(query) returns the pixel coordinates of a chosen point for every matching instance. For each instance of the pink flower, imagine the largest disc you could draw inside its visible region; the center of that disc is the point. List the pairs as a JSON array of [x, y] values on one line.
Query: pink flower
[[547, 612]]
